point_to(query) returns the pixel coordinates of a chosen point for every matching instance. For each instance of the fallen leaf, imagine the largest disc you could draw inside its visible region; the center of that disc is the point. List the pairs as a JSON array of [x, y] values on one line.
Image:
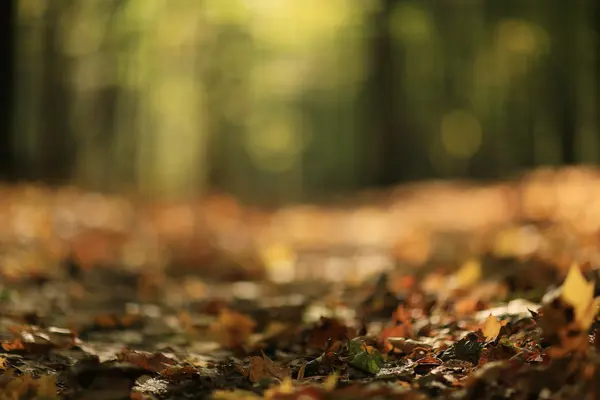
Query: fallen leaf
[[153, 362], [232, 328], [327, 330], [567, 314], [467, 275], [364, 357], [178, 373], [26, 386], [579, 293], [301, 370], [491, 328], [408, 345], [401, 325], [265, 368], [331, 381], [236, 394]]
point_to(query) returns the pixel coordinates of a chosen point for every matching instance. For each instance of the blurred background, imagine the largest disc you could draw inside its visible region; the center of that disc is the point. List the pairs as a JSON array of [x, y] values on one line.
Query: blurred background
[[282, 100]]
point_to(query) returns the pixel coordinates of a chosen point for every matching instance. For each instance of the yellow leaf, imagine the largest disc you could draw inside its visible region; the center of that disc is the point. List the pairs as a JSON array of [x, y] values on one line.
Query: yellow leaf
[[236, 394], [331, 382], [579, 293], [491, 328], [301, 371], [285, 387], [468, 274], [279, 261]]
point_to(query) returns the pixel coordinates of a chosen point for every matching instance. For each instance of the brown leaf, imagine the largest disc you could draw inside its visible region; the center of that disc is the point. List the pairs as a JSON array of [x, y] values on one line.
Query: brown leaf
[[179, 373], [326, 331], [35, 339], [153, 362], [232, 328], [401, 326], [265, 368]]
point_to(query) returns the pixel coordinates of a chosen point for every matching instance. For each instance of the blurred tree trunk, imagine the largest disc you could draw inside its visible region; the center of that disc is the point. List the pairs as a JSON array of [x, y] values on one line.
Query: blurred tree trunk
[[7, 17], [393, 148], [563, 82], [55, 147]]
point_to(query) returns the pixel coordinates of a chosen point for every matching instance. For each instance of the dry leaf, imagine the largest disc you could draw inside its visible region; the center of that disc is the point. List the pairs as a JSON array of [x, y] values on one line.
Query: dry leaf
[[236, 394], [579, 293], [301, 371], [265, 368], [467, 275], [154, 362], [328, 329], [401, 325], [568, 313], [492, 327], [16, 387], [408, 345], [285, 388], [331, 382], [232, 328]]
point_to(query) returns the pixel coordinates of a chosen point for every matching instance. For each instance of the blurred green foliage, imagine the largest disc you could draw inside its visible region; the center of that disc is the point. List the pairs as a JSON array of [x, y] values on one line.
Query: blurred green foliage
[[279, 100]]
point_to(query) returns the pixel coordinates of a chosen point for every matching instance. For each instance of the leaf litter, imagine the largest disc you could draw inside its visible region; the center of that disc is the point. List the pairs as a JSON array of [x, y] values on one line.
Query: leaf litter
[[498, 322]]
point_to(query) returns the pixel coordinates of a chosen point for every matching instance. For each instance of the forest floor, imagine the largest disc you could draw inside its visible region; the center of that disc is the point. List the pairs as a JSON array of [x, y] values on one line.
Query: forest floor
[[484, 324]]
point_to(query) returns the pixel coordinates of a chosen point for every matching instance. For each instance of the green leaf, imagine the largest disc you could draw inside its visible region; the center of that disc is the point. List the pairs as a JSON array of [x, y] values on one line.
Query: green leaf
[[354, 348], [369, 361]]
